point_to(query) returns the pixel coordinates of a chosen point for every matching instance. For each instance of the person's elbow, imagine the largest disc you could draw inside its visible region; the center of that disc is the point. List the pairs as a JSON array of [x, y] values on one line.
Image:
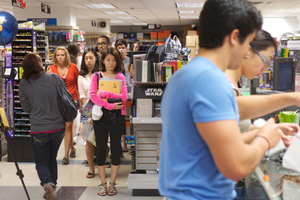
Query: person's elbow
[[234, 172]]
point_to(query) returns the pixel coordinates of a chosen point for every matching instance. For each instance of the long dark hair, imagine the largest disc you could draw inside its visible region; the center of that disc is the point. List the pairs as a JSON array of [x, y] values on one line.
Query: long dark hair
[[31, 67], [84, 70], [73, 50], [119, 67], [262, 41]]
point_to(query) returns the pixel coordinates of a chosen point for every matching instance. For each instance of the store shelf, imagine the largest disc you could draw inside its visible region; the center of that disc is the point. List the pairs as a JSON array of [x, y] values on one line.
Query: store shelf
[[150, 83], [22, 124], [23, 35], [21, 47]]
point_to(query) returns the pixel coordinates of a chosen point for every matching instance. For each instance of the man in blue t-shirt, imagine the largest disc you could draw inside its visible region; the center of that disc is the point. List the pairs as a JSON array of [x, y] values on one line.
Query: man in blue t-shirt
[[202, 152]]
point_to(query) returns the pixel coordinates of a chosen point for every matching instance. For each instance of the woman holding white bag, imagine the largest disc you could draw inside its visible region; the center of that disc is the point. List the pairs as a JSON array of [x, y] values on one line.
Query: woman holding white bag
[[89, 65]]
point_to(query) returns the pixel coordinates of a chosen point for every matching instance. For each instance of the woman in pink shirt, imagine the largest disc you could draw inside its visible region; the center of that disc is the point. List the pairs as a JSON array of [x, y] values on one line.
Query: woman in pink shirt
[[111, 65]]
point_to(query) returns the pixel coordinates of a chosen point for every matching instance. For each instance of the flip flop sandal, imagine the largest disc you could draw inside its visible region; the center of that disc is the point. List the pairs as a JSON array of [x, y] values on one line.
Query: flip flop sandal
[[102, 190], [90, 175]]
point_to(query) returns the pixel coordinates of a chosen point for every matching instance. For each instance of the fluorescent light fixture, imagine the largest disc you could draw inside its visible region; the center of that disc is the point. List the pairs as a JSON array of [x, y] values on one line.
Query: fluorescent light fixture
[[115, 12], [141, 24], [97, 6], [130, 17], [189, 17], [116, 21], [189, 5], [186, 12]]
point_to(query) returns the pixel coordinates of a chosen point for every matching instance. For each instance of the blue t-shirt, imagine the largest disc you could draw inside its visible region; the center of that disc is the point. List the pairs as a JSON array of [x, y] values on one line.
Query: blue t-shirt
[[197, 93]]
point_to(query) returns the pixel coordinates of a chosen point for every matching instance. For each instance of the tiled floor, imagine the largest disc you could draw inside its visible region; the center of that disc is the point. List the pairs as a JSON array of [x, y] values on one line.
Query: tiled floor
[[72, 184]]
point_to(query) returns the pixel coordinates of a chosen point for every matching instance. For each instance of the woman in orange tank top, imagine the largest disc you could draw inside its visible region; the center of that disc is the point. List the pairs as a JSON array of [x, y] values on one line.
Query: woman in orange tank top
[[68, 72]]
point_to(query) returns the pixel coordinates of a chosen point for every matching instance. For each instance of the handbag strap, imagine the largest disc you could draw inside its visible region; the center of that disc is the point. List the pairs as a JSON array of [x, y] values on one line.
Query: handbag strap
[[54, 79], [98, 79]]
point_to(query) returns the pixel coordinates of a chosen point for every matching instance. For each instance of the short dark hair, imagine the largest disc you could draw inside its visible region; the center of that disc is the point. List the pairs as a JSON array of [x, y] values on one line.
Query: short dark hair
[[119, 67], [262, 41], [31, 67], [84, 70], [220, 17], [135, 41], [105, 37], [120, 43]]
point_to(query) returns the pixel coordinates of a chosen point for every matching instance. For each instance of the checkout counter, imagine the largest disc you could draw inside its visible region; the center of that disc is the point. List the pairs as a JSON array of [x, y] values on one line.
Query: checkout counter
[[283, 184]]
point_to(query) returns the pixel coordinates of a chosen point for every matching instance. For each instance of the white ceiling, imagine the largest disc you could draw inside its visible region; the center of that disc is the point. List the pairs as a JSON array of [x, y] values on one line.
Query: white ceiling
[[162, 12]]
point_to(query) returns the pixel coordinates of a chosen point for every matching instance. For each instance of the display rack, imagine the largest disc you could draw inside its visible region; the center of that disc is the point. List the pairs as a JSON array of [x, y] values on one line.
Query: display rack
[[26, 41], [143, 180]]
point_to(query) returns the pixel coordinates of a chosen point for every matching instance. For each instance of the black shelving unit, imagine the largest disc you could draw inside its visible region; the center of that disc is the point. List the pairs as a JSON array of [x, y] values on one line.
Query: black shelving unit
[[26, 41]]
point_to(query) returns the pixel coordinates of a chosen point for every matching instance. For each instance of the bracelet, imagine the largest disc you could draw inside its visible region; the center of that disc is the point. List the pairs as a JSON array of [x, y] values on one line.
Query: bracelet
[[265, 139]]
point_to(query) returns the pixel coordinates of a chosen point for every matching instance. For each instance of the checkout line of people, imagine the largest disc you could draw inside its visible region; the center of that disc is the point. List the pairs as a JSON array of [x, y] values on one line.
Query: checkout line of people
[[48, 128], [207, 115]]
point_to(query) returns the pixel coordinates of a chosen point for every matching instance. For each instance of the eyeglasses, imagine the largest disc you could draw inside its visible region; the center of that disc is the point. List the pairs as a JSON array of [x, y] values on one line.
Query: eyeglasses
[[101, 44], [266, 61]]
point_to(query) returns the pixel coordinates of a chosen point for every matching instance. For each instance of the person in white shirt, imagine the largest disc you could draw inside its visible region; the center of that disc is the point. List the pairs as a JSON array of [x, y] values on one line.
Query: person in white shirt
[[89, 65]]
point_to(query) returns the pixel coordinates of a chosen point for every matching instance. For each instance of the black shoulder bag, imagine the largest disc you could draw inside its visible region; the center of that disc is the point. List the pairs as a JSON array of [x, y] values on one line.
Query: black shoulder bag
[[66, 104], [112, 120]]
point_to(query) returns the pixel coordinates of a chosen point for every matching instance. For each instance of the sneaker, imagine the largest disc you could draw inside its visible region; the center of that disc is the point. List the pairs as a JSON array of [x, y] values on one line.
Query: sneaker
[[65, 160], [73, 153], [49, 191]]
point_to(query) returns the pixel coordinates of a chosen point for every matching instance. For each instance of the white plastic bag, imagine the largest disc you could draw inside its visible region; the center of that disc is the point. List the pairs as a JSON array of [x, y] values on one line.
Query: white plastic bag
[[97, 112], [88, 133], [291, 159], [79, 140], [176, 42]]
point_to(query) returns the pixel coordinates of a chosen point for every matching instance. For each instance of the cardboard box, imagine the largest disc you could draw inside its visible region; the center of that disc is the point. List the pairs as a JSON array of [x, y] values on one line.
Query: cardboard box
[[191, 40], [120, 36], [161, 35], [192, 33], [153, 35], [167, 33], [193, 51], [197, 43], [140, 36]]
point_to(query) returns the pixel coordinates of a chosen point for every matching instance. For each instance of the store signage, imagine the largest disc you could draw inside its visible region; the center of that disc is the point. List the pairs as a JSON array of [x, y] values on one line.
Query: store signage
[[47, 21], [19, 3], [154, 92], [45, 8]]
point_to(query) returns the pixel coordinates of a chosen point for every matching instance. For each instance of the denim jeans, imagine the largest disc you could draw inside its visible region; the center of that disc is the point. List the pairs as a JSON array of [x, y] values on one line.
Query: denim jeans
[[45, 147]]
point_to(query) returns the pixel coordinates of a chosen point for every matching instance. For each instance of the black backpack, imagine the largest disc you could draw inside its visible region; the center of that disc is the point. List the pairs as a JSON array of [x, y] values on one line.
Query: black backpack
[[66, 104]]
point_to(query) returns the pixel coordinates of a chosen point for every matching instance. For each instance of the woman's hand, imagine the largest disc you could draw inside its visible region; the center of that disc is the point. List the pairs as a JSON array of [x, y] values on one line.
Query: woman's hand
[[49, 70], [119, 106], [79, 105], [98, 92], [288, 129], [91, 121]]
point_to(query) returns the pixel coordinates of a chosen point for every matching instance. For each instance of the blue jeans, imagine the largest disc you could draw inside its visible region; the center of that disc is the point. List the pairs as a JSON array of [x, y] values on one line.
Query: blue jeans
[[45, 147]]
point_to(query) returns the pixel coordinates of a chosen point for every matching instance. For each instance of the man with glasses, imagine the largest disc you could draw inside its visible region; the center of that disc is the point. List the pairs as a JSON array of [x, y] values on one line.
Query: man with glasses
[[102, 44]]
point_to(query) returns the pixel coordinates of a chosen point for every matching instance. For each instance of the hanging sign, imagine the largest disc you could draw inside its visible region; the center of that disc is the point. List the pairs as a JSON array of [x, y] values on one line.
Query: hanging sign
[[19, 3], [45, 8]]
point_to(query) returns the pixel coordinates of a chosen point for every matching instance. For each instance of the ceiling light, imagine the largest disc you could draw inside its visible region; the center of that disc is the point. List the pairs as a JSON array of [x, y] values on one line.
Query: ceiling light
[[186, 12], [189, 17], [189, 5], [97, 6], [141, 24], [116, 21], [116, 13], [131, 17]]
